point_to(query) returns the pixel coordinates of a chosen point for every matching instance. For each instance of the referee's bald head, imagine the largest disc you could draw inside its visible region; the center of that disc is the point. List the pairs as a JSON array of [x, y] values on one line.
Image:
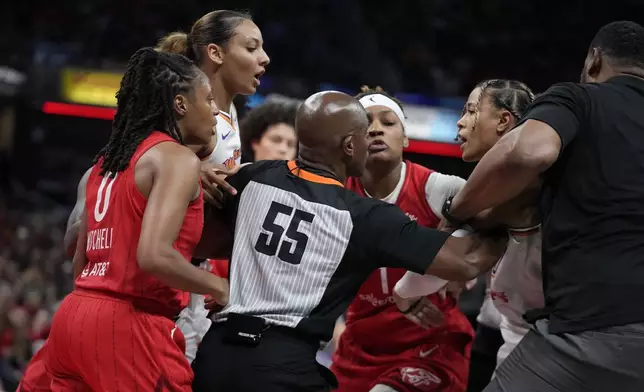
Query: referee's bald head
[[331, 127]]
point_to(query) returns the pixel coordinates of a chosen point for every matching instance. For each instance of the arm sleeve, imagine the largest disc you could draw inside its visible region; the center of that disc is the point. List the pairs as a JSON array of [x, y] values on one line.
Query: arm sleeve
[[438, 188], [562, 108], [413, 285], [390, 239]]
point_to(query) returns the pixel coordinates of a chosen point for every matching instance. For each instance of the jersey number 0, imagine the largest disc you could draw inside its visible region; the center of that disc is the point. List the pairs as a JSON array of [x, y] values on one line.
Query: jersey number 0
[[103, 197], [290, 249]]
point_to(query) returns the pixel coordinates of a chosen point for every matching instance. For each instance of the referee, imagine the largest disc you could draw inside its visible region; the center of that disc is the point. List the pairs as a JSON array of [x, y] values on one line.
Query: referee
[[303, 247], [586, 141]]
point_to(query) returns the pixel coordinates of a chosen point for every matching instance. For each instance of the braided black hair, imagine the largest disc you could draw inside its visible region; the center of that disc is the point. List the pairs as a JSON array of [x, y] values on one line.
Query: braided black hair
[[366, 91], [145, 103], [511, 95]]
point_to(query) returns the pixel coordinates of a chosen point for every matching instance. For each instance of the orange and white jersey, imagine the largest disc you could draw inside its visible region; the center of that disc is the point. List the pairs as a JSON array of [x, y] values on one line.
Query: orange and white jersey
[[227, 152]]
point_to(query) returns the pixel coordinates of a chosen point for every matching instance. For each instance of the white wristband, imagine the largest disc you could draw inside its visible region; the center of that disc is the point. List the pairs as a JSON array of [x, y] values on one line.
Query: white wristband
[[413, 285]]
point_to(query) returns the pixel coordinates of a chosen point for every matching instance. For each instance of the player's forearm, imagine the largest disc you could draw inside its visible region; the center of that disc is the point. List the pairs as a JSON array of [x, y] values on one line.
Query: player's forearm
[[500, 176], [71, 236], [172, 269], [78, 266], [463, 259]]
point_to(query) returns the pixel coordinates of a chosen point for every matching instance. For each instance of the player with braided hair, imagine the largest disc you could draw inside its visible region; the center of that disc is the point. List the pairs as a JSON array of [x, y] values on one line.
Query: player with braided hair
[[379, 349], [143, 218], [493, 108]]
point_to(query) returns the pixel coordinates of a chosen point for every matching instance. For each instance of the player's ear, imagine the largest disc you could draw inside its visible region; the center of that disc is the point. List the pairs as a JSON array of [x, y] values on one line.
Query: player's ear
[[180, 105], [405, 141], [594, 63], [504, 123], [215, 53]]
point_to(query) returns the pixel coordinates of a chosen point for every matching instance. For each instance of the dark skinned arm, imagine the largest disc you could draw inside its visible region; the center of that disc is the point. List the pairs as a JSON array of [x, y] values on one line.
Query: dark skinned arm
[[74, 221], [80, 258], [390, 239], [512, 166], [517, 161], [174, 186]]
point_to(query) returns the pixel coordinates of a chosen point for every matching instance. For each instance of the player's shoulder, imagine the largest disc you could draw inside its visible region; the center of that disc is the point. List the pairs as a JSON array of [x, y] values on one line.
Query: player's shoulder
[[441, 181], [169, 155], [417, 169], [172, 152], [416, 174], [225, 122]]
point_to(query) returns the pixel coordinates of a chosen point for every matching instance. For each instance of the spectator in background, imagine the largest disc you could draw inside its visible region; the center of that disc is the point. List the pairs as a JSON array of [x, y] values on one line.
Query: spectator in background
[[267, 132], [31, 268]]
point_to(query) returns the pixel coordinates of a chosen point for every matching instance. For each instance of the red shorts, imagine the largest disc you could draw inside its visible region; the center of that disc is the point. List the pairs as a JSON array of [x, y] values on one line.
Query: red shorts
[[36, 378], [427, 368], [102, 343]]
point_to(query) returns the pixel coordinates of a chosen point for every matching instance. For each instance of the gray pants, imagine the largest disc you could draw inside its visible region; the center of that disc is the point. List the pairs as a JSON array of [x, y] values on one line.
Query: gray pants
[[608, 360]]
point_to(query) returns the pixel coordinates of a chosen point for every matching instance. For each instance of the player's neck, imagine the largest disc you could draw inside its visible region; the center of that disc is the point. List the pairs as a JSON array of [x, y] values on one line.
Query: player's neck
[[223, 98], [380, 179], [631, 71]]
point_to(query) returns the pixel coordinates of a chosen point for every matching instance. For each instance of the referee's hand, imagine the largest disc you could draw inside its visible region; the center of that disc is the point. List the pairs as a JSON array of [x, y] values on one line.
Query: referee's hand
[[420, 311]]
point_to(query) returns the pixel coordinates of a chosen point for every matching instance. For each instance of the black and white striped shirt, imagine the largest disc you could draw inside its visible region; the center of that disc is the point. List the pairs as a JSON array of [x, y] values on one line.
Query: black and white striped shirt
[[304, 245]]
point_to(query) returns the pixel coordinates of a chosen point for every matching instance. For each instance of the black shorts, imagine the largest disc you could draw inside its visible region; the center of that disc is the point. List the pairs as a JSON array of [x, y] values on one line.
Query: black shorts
[[281, 362]]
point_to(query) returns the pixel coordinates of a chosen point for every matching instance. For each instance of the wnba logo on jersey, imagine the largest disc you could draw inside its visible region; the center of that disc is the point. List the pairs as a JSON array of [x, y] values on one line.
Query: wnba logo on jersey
[[232, 161]]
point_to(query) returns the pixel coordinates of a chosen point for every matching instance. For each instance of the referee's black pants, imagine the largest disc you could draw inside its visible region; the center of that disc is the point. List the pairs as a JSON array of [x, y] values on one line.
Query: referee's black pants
[[283, 361]]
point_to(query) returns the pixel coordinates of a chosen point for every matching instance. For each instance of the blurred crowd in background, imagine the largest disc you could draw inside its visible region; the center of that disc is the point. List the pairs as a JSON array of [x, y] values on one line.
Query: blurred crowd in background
[[437, 48]]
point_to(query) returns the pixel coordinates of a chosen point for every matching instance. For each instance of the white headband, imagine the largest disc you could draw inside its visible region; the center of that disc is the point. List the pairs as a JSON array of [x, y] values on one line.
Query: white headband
[[383, 100]]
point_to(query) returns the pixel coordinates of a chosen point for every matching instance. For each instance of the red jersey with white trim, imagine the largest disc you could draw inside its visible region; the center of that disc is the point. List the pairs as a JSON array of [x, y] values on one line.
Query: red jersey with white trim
[[373, 321], [115, 208]]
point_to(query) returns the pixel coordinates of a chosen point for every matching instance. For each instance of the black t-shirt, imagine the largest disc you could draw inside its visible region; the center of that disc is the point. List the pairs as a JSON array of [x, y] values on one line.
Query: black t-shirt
[[593, 204], [304, 245]]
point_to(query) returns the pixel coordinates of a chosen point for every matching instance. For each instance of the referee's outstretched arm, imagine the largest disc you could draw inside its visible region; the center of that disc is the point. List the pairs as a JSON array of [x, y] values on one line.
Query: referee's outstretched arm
[[390, 239], [465, 258]]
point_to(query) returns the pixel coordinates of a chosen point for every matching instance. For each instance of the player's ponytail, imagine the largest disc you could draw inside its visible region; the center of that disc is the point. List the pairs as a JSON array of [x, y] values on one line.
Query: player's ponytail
[[176, 43]]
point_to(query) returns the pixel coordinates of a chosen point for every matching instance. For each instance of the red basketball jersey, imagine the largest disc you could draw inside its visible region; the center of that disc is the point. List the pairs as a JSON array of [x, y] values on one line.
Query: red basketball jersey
[[115, 209], [373, 320]]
